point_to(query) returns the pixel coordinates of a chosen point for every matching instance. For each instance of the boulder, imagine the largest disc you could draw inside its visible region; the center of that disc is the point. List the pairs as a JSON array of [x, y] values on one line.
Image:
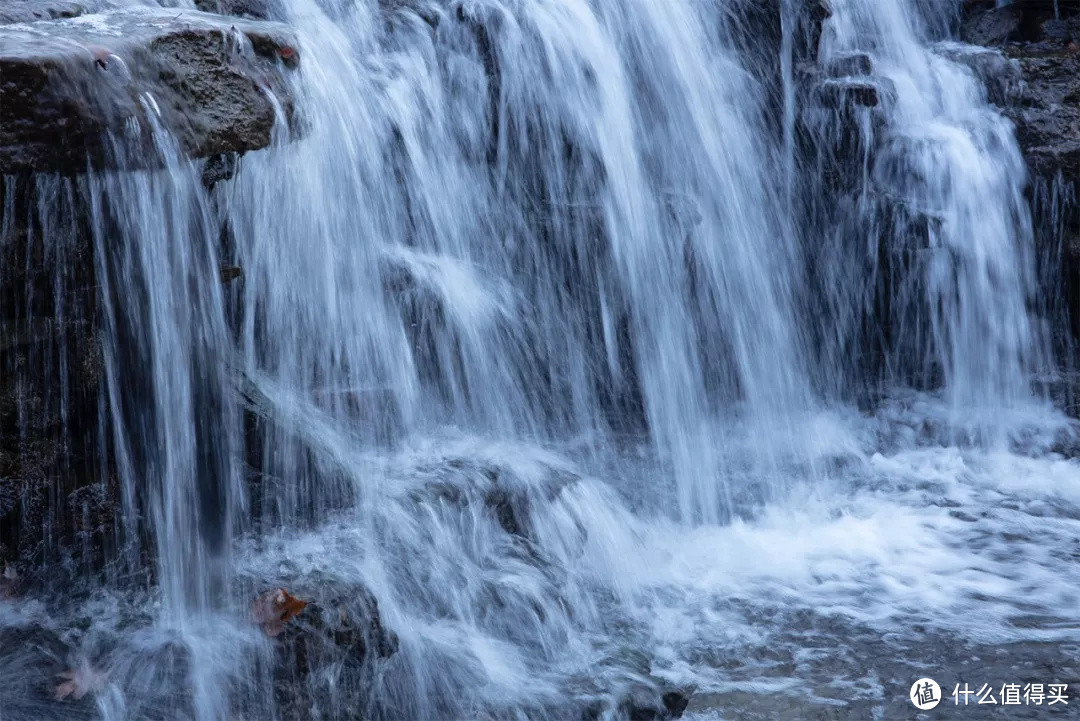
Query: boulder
[[1046, 111], [641, 698], [1001, 76], [504, 495], [844, 65], [993, 26], [33, 659], [257, 9], [1034, 77], [90, 90], [326, 658], [28, 11], [851, 93]]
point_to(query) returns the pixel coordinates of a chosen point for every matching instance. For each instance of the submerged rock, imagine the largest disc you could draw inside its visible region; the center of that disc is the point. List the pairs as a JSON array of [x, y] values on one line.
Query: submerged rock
[[501, 493], [645, 699], [849, 64], [327, 657], [1001, 76], [849, 93], [93, 88]]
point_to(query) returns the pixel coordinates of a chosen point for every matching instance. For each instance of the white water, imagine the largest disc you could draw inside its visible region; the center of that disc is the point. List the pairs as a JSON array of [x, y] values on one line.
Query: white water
[[525, 315]]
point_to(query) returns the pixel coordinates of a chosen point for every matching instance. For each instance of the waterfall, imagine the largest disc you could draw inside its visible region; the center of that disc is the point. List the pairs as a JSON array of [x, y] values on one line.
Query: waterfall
[[946, 162], [568, 350]]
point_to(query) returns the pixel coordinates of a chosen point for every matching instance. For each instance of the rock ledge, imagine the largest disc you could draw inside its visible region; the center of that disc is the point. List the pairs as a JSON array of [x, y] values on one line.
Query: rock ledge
[[89, 91]]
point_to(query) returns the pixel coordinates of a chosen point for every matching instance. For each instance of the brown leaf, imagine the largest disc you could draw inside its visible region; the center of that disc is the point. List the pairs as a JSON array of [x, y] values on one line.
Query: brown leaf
[[273, 609], [292, 605], [79, 682], [101, 55]]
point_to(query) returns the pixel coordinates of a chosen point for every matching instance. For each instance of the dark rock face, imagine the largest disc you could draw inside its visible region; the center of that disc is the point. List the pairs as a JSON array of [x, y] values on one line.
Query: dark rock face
[[81, 90], [993, 26], [1046, 110], [1032, 72], [72, 90], [1001, 76], [1034, 77], [57, 504]]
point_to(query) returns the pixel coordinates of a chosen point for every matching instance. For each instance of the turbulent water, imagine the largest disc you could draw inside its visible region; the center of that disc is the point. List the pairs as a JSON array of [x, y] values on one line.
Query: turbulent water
[[555, 335]]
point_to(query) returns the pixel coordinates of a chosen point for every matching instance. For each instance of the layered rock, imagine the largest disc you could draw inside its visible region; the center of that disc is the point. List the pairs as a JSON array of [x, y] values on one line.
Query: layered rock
[[91, 89], [1034, 76], [81, 87], [1028, 55]]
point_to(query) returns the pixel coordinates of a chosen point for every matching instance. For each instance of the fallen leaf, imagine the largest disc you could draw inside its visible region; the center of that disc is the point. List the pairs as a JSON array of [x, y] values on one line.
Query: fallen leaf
[[100, 55], [288, 55], [79, 682], [273, 609]]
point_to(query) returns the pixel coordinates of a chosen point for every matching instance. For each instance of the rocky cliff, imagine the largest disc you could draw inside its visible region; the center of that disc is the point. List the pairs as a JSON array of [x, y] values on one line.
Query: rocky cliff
[[87, 86], [1030, 62]]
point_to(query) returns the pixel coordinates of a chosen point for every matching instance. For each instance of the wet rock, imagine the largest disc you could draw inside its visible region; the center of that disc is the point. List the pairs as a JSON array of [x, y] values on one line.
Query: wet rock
[[327, 657], [10, 581], [230, 273], [849, 64], [1036, 84], [644, 706], [56, 505], [847, 93], [992, 26], [1046, 111], [56, 508], [28, 11], [1002, 76], [1055, 29], [645, 699], [52, 531], [32, 659], [92, 89], [347, 621], [465, 483], [256, 9], [218, 168]]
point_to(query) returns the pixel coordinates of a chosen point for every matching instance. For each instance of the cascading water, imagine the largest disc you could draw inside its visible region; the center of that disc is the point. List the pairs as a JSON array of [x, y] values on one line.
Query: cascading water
[[946, 159], [549, 346]]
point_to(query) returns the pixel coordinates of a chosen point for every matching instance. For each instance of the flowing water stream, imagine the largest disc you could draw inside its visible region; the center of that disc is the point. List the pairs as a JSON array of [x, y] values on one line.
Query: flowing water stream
[[551, 341]]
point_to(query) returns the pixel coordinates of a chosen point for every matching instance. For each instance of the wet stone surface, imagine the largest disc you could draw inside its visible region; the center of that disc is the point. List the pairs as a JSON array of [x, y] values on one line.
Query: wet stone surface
[[828, 669], [80, 90]]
